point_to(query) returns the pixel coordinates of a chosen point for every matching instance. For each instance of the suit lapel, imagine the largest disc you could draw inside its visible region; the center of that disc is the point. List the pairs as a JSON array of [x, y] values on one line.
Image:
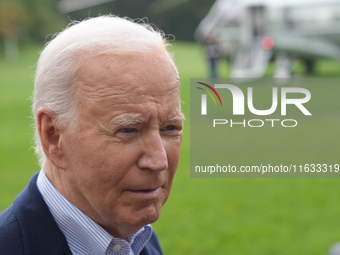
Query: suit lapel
[[40, 233]]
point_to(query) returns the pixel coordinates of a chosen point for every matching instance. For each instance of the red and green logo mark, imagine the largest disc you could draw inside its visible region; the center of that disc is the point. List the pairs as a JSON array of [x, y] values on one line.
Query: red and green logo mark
[[208, 92]]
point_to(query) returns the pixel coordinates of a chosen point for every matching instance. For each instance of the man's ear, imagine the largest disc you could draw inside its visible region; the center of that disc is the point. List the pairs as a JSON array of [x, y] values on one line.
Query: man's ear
[[50, 136]]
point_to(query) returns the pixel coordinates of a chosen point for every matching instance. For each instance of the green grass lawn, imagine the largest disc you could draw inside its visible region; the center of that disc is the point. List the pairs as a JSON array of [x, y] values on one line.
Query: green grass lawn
[[202, 216]]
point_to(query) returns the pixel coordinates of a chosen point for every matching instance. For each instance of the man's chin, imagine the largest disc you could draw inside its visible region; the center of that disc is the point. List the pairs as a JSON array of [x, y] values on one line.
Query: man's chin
[[144, 216], [130, 222]]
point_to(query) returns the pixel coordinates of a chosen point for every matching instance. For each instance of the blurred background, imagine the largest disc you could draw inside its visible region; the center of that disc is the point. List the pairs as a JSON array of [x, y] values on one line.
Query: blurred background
[[223, 38]]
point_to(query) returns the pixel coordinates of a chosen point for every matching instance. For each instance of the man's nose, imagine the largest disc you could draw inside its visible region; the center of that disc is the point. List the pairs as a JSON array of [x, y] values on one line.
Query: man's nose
[[154, 155]]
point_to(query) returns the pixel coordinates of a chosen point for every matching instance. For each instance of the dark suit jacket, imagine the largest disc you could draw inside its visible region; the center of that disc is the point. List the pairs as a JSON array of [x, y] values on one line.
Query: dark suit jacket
[[28, 227]]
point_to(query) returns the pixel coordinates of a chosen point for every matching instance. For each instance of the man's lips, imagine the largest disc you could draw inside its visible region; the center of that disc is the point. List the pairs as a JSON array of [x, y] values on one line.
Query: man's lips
[[146, 192]]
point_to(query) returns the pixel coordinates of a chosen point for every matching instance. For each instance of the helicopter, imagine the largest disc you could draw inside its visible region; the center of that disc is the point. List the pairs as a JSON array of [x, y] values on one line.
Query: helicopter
[[252, 33]]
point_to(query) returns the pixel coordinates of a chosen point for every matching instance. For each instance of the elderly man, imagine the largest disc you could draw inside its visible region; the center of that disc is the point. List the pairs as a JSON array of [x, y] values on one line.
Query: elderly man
[[108, 131]]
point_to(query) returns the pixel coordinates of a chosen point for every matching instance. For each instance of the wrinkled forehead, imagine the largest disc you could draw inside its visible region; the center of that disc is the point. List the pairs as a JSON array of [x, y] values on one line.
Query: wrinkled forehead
[[128, 78], [133, 72]]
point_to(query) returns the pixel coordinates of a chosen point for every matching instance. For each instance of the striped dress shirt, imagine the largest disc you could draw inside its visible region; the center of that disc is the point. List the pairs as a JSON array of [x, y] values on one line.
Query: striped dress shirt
[[83, 235]]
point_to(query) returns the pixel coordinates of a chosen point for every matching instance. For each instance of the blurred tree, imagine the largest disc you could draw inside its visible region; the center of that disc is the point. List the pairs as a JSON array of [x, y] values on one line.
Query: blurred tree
[[177, 17], [180, 17], [45, 19], [30, 18], [12, 17], [39, 18]]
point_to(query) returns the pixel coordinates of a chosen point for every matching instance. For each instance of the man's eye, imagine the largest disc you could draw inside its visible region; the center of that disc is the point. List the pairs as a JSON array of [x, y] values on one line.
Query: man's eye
[[173, 128], [127, 130], [170, 127]]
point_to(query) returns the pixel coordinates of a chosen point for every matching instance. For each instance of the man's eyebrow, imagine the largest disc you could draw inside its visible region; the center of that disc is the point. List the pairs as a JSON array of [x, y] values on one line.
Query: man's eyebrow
[[179, 118], [128, 121], [132, 121]]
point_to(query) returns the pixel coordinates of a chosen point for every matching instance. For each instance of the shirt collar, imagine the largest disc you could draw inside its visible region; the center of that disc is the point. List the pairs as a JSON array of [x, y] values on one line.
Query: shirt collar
[[83, 235]]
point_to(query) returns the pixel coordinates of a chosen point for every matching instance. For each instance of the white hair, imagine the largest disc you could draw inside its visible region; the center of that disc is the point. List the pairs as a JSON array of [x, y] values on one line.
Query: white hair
[[58, 64]]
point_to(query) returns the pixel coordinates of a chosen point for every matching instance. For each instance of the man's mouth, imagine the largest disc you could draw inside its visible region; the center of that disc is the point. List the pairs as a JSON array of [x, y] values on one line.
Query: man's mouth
[[146, 192]]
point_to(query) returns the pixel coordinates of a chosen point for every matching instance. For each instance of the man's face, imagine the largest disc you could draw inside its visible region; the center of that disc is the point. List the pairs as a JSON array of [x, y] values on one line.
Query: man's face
[[122, 153]]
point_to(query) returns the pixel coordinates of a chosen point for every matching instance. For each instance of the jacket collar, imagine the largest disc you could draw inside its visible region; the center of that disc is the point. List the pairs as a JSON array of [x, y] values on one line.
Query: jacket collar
[[40, 233]]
